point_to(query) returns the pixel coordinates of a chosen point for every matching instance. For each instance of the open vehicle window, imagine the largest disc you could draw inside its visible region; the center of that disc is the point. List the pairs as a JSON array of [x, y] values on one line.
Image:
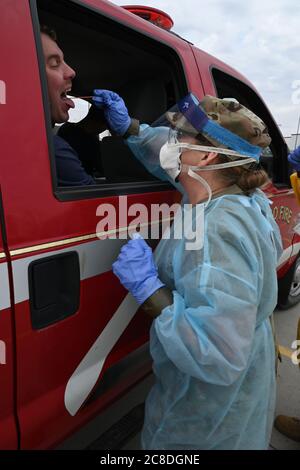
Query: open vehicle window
[[274, 158], [108, 54]]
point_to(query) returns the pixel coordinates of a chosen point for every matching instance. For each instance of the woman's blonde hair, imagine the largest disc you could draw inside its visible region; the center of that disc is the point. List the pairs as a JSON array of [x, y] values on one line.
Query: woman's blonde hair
[[248, 177]]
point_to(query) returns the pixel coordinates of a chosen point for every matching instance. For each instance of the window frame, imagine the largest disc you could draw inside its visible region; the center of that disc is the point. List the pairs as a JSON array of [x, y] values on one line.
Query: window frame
[[278, 146], [70, 193]]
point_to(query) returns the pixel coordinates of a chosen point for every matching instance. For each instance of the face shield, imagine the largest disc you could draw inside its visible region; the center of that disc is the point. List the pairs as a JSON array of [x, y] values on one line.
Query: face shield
[[190, 128]]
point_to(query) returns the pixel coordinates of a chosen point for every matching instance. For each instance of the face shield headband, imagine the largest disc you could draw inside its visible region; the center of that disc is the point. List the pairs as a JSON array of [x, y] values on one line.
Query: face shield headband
[[234, 145]]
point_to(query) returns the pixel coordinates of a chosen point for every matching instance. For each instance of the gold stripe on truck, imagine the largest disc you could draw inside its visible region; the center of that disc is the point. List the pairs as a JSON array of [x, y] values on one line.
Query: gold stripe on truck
[[67, 241]]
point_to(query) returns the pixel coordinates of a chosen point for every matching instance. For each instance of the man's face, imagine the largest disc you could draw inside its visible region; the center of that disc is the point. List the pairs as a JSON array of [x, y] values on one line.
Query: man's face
[[59, 79]]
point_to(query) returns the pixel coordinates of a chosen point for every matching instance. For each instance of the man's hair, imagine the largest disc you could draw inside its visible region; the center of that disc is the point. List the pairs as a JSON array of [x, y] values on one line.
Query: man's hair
[[48, 31]]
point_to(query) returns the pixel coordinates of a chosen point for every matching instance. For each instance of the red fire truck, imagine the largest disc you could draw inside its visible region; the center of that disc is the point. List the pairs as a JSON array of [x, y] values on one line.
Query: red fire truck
[[71, 342]]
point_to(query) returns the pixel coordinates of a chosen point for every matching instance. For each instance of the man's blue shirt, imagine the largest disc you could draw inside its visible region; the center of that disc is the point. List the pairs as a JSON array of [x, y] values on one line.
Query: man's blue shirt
[[70, 171]]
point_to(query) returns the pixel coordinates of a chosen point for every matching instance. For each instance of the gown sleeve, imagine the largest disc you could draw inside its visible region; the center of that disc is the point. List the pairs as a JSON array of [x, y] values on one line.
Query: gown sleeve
[[146, 147]]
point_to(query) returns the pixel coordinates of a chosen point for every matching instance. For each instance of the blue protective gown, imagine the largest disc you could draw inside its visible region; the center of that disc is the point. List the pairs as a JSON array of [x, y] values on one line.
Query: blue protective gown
[[213, 348]]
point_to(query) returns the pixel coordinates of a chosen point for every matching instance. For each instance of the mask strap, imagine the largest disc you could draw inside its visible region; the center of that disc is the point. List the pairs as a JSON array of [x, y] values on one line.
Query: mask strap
[[219, 166], [203, 148], [202, 181]]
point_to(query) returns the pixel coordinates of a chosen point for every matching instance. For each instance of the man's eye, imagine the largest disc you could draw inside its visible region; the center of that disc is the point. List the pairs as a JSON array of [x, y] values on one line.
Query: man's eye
[[54, 62]]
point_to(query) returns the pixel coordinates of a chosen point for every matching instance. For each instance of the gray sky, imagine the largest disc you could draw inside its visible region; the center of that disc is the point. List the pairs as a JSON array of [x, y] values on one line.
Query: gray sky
[[259, 38]]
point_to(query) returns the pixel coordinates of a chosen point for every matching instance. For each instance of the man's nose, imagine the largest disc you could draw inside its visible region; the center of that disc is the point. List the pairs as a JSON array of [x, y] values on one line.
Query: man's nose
[[69, 73]]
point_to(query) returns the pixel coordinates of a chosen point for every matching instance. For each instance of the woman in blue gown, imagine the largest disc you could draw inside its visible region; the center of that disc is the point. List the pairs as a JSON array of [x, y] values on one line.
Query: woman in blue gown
[[211, 339]]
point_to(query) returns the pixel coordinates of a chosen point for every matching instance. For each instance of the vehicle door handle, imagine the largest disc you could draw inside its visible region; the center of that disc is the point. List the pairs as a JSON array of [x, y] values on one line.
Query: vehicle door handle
[[54, 288]]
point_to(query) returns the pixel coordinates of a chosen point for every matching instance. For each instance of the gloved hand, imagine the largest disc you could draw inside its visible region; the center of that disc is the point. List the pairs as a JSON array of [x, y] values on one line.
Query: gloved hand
[[136, 269], [114, 109], [294, 159]]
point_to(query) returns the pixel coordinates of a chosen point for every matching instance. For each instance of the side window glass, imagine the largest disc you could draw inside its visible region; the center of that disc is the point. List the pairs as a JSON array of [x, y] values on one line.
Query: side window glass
[[267, 161], [274, 158], [87, 39]]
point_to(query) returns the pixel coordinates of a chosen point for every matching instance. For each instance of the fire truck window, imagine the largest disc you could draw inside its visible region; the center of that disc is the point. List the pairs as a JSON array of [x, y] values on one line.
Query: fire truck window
[[107, 54], [274, 159], [267, 161]]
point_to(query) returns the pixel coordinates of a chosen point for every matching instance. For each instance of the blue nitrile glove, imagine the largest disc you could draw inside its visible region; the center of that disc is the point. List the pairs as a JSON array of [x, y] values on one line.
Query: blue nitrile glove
[[114, 109], [294, 159], [136, 269]]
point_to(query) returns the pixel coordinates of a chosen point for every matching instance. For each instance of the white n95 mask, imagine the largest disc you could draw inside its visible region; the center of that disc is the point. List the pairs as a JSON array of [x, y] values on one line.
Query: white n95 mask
[[170, 160]]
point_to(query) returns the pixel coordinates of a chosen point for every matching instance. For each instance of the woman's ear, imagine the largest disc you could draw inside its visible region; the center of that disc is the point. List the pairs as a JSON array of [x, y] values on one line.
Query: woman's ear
[[208, 159]]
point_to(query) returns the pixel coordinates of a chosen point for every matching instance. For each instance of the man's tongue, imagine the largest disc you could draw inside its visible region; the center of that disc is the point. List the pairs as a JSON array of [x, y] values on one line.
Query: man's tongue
[[68, 101]]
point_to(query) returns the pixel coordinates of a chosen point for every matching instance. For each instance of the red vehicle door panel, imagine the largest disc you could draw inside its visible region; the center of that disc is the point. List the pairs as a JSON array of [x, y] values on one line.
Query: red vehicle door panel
[[8, 430], [52, 385]]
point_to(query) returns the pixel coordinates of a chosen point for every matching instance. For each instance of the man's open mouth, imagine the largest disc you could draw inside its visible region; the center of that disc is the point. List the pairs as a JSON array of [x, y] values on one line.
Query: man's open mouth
[[64, 94]]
